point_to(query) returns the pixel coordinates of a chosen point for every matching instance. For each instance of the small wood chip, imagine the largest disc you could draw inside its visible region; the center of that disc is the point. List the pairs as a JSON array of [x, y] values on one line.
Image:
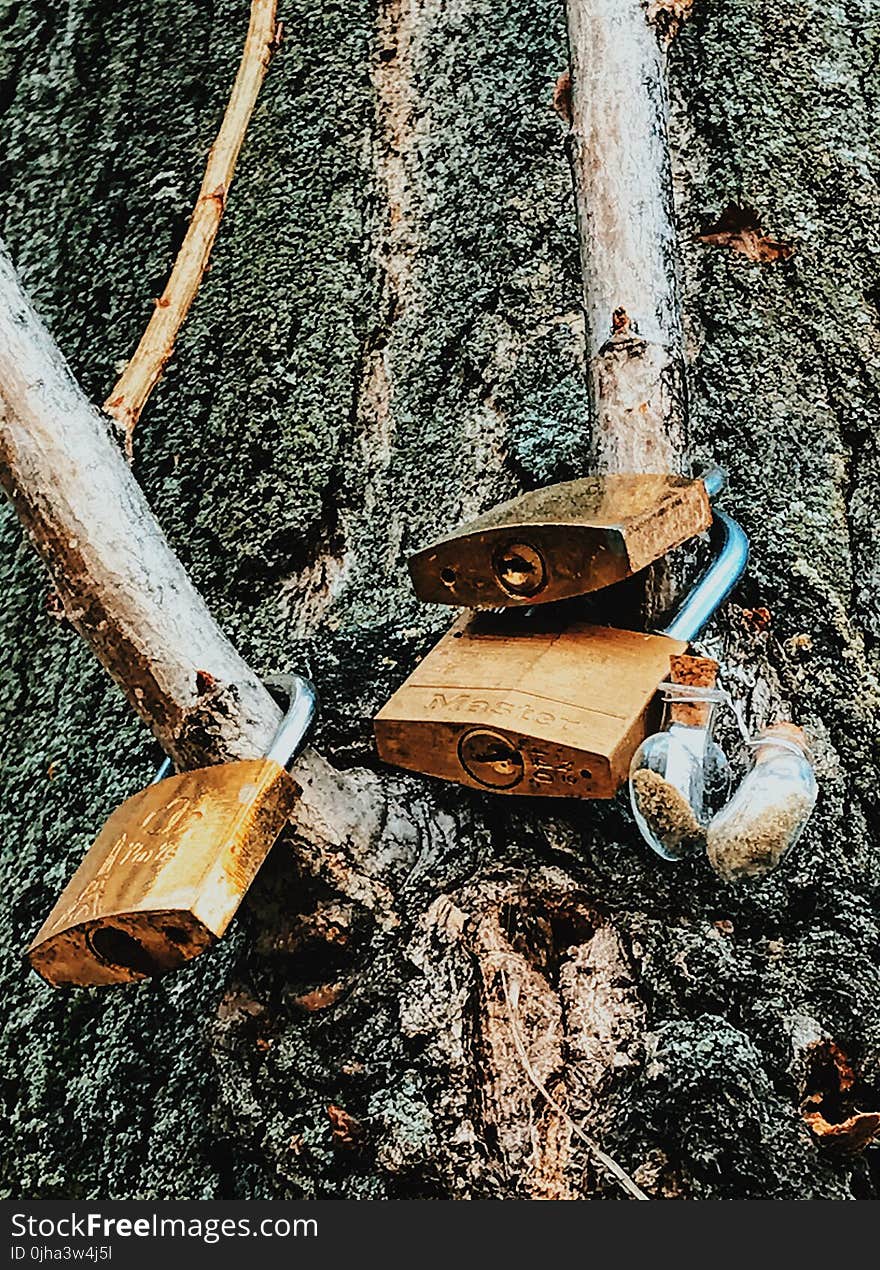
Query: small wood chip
[[348, 1132]]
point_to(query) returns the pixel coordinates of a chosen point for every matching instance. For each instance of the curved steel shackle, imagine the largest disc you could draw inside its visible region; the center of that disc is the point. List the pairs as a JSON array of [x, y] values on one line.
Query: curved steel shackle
[[731, 546], [302, 709], [293, 731]]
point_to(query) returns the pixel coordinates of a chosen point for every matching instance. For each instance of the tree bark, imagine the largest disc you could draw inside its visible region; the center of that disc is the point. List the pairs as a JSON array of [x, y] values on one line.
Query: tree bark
[[119, 584], [391, 338]]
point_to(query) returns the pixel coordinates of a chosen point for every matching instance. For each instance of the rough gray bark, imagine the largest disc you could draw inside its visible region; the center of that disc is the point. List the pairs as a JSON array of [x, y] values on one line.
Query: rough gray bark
[[390, 339]]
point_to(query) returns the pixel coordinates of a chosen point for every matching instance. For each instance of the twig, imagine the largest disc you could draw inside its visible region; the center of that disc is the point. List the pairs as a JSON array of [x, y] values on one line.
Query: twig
[[603, 1158], [129, 396]]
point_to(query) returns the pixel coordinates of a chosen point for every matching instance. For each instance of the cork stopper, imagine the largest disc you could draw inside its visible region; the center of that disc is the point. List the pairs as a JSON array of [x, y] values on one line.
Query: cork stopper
[[695, 672], [788, 733]]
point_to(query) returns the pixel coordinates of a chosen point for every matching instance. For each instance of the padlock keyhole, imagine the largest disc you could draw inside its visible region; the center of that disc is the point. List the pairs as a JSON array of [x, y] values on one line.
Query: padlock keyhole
[[176, 934], [118, 948], [520, 569], [491, 759]]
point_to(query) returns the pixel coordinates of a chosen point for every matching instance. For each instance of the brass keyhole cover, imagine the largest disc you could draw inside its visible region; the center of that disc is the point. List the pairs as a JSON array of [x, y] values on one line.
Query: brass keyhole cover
[[491, 758]]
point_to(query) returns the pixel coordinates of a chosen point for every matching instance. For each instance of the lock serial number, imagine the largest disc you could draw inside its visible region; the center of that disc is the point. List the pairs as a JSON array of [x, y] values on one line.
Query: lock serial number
[[546, 771]]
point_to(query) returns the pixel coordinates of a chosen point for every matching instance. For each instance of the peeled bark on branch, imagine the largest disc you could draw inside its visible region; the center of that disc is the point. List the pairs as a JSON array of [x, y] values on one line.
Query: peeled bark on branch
[[623, 189]]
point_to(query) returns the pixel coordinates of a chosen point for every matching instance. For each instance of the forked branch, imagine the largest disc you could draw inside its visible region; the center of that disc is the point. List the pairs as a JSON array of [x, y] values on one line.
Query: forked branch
[[127, 594]]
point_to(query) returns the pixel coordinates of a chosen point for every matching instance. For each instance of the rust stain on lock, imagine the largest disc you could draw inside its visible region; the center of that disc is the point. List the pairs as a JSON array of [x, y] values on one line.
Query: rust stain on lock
[[562, 541], [545, 708], [166, 874]]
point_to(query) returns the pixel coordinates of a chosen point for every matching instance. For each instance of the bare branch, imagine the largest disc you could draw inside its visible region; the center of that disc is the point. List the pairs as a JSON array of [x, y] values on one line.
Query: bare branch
[[127, 594], [121, 585], [129, 396], [623, 191]]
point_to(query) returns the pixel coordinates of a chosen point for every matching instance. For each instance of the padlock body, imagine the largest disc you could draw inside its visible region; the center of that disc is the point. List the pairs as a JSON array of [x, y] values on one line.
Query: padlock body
[[550, 710], [165, 875], [562, 541]]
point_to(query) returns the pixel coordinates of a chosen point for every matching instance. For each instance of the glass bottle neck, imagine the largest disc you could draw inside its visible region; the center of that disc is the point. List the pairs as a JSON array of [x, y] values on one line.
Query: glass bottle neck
[[690, 719]]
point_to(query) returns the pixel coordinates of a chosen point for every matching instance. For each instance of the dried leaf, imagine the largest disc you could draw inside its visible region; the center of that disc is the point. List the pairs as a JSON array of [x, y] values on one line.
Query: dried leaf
[[830, 1087], [739, 229], [853, 1134]]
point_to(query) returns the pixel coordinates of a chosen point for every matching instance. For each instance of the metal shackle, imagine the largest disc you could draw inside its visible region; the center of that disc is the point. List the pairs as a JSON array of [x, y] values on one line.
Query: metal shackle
[[731, 553], [294, 729], [296, 726]]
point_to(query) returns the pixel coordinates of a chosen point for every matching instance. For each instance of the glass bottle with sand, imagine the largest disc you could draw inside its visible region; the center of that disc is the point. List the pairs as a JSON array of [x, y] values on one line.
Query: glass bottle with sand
[[680, 774], [760, 825]]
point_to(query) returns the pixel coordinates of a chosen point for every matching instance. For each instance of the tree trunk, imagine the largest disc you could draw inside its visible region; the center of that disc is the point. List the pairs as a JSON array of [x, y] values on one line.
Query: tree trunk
[[390, 339]]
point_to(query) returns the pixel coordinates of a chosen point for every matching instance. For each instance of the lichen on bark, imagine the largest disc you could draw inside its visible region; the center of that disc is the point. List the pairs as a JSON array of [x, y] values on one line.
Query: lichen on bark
[[390, 338]]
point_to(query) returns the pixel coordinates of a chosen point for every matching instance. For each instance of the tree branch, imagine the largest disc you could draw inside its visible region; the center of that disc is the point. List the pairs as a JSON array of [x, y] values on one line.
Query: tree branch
[[129, 396], [129, 597], [511, 996], [623, 191], [122, 587]]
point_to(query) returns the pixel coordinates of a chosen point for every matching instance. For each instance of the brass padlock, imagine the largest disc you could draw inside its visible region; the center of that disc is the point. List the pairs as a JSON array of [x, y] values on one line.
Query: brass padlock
[[563, 540], [169, 869], [544, 705]]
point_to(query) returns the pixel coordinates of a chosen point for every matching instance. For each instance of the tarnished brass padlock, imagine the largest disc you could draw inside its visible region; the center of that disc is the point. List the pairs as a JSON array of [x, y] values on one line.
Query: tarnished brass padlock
[[562, 541], [541, 705], [169, 869]]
